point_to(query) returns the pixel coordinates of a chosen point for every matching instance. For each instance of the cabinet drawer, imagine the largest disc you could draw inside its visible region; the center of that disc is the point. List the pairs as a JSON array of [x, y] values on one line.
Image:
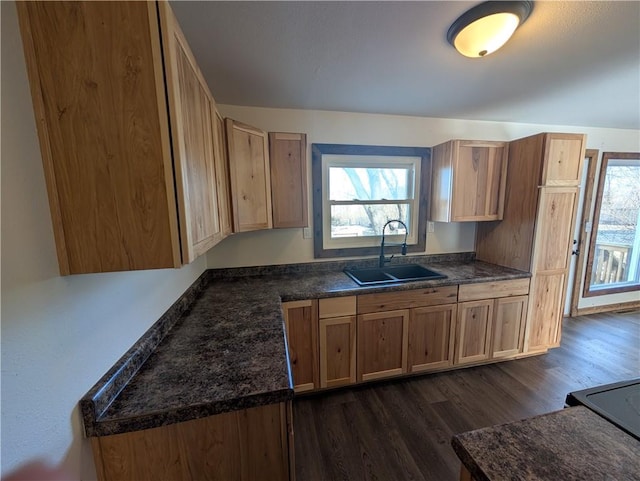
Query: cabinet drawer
[[337, 307], [388, 301], [491, 290]]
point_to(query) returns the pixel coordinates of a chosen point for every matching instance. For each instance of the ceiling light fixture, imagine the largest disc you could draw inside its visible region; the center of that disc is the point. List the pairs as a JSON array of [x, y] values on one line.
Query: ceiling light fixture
[[487, 27]]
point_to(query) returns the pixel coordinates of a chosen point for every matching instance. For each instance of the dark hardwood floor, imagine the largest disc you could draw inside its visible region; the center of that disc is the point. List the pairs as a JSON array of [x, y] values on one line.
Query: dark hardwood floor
[[401, 430]]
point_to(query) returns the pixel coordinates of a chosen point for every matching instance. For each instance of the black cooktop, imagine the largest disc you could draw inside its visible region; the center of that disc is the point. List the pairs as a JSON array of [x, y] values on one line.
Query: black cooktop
[[618, 403]]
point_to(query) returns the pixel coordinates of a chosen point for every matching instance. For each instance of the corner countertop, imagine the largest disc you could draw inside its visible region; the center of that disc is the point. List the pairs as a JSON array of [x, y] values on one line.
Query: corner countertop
[[223, 348], [572, 444]]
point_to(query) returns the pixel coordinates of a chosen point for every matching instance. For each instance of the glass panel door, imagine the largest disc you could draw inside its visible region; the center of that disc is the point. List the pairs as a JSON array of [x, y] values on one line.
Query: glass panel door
[[614, 251]]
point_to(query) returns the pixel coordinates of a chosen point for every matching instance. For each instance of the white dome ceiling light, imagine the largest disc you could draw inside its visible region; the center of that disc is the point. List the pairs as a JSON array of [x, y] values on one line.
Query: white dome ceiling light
[[487, 27]]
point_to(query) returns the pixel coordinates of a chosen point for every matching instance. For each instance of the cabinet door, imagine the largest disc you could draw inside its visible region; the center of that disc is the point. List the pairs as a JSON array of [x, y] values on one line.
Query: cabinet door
[[563, 159], [382, 344], [546, 306], [479, 176], [288, 160], [431, 337], [222, 178], [552, 253], [250, 177], [473, 333], [337, 351], [508, 326], [191, 108], [301, 321], [554, 230], [100, 104]]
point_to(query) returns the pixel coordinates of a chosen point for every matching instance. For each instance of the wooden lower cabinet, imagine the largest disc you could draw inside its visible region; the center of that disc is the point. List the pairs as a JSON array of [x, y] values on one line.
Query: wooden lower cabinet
[[243, 445], [301, 323], [428, 330], [337, 341], [508, 326], [382, 344], [337, 351], [473, 333], [431, 337]]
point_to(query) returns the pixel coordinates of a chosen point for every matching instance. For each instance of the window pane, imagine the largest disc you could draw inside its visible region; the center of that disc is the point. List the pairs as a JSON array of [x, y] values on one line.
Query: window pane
[[616, 254], [368, 220], [370, 183]]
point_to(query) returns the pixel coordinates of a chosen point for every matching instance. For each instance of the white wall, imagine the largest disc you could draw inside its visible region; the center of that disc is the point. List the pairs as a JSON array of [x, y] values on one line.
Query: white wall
[[59, 334], [287, 245]]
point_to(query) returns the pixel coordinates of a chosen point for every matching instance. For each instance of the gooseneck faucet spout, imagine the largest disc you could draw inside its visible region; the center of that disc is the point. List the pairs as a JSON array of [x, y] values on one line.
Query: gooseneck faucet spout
[[383, 259]]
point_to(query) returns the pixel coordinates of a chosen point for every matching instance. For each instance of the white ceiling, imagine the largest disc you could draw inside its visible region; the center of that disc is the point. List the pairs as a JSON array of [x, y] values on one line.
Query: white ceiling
[[571, 63]]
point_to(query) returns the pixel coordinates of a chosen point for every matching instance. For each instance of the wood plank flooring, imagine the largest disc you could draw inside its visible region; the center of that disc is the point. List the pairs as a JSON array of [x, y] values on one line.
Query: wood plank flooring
[[401, 430]]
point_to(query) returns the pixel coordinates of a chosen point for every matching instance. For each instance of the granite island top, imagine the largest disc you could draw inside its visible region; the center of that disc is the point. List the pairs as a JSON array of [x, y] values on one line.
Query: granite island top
[[221, 346], [572, 444]]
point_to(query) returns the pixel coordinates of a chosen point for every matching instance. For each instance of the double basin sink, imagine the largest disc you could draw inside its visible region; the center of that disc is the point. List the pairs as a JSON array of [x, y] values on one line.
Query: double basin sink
[[392, 274]]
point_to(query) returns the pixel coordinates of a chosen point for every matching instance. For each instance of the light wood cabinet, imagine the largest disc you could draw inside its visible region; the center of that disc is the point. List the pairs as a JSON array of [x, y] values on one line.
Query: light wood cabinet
[[468, 181], [222, 178], [491, 320], [388, 301], [382, 344], [244, 445], [288, 160], [473, 332], [509, 315], [301, 323], [337, 328], [431, 337], [105, 135], [248, 152], [405, 331], [536, 232], [561, 166], [192, 113]]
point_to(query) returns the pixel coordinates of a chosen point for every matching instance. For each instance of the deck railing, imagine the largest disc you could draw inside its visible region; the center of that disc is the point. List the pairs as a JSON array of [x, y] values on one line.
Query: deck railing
[[610, 264]]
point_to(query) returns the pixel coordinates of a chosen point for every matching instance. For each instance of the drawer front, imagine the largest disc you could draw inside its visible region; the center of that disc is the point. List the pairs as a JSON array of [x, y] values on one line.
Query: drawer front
[[337, 307], [388, 301], [492, 290]]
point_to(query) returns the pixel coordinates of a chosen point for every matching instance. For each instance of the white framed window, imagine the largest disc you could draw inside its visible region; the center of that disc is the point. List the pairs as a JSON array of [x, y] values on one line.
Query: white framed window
[[357, 189]]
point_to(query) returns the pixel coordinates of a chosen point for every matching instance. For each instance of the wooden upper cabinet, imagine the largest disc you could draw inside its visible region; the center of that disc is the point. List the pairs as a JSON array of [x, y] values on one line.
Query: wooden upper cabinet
[[222, 178], [288, 159], [563, 158], [468, 181], [192, 115], [248, 152], [100, 90]]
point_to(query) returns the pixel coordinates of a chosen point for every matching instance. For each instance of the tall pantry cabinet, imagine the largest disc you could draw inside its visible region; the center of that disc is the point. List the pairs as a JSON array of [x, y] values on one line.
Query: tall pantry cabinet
[[537, 228]]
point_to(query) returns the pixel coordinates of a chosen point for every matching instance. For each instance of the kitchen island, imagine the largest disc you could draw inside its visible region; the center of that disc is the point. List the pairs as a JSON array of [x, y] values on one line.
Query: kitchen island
[[572, 444]]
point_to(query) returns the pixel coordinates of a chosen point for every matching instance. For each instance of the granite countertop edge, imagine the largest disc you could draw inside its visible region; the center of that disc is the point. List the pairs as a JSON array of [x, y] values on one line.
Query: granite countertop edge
[[188, 413], [116, 403], [550, 446]]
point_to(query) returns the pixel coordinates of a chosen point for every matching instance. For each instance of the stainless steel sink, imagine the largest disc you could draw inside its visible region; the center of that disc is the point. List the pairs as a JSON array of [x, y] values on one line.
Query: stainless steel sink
[[392, 274]]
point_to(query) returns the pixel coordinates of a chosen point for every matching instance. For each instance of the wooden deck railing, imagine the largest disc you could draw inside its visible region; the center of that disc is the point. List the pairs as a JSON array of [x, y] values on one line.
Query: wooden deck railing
[[610, 264]]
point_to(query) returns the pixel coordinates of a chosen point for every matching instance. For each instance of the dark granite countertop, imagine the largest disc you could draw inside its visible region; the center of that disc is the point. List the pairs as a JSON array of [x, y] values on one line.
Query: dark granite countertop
[[222, 347], [572, 444]]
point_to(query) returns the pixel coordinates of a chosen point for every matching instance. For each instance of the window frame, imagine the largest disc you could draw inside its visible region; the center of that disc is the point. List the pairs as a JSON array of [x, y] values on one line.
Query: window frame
[[320, 187], [588, 290]]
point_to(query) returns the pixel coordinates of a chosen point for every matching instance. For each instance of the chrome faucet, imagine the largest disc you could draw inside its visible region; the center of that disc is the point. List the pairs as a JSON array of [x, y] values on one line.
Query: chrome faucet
[[383, 259]]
